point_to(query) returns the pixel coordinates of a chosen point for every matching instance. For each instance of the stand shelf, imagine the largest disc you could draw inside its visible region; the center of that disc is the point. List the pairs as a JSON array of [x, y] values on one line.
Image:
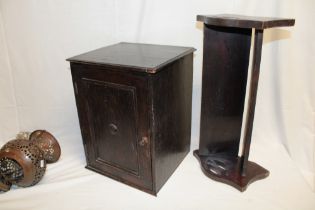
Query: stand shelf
[[227, 43]]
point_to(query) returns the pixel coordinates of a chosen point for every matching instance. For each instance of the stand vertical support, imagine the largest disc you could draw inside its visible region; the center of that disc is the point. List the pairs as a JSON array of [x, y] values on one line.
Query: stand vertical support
[[252, 99]]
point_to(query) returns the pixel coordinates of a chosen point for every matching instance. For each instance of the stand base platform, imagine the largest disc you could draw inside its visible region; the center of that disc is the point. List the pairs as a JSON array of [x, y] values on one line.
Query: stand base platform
[[226, 169]]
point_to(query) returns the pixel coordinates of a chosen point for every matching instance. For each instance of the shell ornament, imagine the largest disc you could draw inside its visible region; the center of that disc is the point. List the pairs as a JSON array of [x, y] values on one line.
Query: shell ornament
[[23, 160]]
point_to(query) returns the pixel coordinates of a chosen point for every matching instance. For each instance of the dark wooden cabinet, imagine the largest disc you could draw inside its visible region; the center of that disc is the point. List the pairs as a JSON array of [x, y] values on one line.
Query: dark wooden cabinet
[[134, 107]]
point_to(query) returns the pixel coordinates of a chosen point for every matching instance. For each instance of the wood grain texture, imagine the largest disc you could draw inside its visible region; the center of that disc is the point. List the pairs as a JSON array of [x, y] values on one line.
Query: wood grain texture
[[224, 77], [253, 86], [135, 125], [227, 169], [101, 107], [171, 117], [242, 21], [134, 56], [227, 40]]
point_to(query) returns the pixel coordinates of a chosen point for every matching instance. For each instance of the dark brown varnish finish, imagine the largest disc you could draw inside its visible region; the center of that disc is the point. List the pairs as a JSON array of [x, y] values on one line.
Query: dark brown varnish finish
[[243, 21], [134, 107], [227, 40]]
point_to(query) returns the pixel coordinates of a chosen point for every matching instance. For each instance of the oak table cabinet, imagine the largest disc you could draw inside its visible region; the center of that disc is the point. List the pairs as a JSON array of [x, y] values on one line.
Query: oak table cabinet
[[226, 52], [134, 107]]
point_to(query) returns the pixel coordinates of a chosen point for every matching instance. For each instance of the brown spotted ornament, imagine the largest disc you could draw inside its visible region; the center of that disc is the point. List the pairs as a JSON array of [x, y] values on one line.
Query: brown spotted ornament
[[23, 160]]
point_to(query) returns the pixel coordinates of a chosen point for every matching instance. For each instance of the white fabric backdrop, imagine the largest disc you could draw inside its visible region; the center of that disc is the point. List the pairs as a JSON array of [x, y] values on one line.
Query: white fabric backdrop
[[36, 36]]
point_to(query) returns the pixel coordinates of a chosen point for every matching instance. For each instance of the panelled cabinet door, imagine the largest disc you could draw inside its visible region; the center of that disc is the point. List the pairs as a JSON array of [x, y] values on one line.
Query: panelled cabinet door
[[114, 123]]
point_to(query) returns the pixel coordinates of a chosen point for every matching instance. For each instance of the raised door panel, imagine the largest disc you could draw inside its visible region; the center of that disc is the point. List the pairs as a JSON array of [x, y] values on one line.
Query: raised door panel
[[112, 111]]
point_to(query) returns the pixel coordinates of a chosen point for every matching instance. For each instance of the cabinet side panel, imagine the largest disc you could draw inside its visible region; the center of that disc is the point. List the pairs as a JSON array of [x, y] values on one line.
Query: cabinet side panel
[[172, 95], [224, 77]]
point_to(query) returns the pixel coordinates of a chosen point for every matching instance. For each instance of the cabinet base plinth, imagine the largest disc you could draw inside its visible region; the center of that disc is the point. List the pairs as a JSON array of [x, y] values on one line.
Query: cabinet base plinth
[[226, 169]]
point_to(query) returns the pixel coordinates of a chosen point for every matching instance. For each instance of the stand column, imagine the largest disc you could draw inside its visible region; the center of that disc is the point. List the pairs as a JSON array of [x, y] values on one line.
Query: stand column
[[227, 43]]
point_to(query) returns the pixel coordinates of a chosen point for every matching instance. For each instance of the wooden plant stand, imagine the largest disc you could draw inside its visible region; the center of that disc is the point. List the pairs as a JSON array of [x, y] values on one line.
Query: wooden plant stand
[[227, 43]]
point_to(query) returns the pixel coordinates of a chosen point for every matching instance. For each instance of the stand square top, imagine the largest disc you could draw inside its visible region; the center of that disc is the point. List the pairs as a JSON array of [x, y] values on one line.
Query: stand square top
[[242, 21]]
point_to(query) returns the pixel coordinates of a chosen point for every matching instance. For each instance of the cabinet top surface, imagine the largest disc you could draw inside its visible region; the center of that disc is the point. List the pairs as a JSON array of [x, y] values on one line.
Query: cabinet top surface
[[242, 21], [142, 57]]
